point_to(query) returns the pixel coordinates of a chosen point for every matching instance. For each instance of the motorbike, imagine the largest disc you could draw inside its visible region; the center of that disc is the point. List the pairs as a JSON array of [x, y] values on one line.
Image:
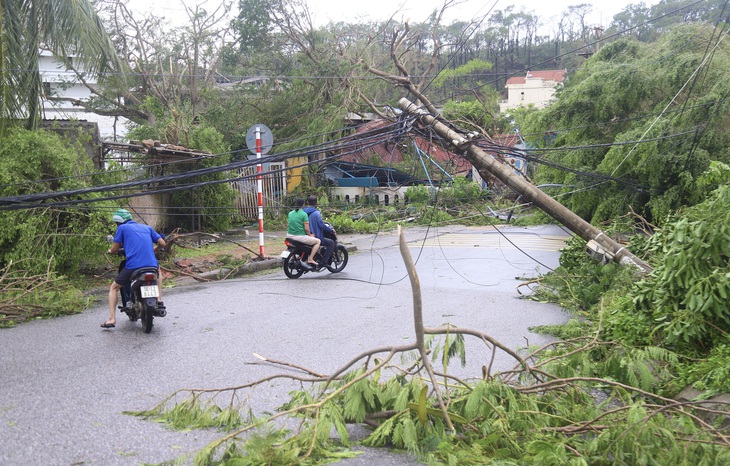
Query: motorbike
[[294, 257], [139, 299]]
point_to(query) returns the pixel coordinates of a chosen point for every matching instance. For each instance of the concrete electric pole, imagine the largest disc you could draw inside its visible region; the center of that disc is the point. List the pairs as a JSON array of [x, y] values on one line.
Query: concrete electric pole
[[598, 241]]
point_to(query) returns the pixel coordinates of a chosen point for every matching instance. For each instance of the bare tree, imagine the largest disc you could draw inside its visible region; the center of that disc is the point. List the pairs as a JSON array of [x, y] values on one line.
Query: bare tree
[[169, 65]]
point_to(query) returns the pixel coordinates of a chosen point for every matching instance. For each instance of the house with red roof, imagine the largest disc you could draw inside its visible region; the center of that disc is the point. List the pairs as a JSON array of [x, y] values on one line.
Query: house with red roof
[[535, 88]]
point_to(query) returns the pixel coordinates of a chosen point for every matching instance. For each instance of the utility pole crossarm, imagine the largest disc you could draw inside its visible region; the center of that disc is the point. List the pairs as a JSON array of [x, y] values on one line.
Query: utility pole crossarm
[[484, 163]]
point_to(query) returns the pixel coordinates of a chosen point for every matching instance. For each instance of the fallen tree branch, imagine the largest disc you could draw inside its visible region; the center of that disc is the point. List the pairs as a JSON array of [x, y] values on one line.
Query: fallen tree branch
[[418, 322]]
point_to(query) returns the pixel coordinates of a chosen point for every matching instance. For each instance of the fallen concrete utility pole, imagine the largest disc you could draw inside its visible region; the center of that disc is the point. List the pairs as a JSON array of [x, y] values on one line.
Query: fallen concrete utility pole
[[598, 242]]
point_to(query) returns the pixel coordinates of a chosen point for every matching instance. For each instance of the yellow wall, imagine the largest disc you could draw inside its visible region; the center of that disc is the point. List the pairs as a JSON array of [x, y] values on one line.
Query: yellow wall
[[294, 174]]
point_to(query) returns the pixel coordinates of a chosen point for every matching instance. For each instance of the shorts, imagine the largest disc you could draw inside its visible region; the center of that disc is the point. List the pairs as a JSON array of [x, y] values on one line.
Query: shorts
[[124, 277], [308, 240]]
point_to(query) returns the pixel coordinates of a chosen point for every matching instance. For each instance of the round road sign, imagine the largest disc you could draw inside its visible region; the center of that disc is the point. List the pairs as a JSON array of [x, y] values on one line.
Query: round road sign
[[267, 138]]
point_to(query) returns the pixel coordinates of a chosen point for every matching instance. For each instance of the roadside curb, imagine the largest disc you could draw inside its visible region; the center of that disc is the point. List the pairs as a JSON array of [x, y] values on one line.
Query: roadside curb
[[245, 269], [270, 263]]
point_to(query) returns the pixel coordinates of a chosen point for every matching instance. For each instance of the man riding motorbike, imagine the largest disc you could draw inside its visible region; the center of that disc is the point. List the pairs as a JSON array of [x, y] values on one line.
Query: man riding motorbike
[[138, 241], [318, 227]]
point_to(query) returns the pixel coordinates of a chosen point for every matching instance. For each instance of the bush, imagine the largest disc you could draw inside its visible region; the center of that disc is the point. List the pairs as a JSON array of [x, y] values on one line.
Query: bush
[[213, 202], [40, 161], [344, 223], [688, 291], [418, 194]]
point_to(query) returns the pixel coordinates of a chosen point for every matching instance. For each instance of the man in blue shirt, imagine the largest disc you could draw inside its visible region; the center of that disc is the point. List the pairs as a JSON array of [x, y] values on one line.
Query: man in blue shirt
[[138, 241], [317, 226]]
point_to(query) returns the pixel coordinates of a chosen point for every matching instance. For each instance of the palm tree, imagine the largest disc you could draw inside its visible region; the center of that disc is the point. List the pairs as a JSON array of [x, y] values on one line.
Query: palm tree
[[65, 28]]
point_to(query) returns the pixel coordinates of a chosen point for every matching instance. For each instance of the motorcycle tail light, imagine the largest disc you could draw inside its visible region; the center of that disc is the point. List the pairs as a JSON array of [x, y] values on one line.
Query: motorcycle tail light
[[286, 241], [149, 277]]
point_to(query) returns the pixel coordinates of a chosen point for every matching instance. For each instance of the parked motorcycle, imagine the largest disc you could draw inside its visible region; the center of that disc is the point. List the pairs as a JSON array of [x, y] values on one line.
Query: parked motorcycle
[[139, 299], [294, 258]]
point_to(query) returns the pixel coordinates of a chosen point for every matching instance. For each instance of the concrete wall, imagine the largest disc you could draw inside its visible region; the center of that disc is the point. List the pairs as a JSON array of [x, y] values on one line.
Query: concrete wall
[[535, 91], [149, 209], [358, 194]]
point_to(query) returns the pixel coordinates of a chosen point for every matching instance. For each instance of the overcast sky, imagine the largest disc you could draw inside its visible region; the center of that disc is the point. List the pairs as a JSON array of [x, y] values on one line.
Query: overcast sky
[[418, 10], [415, 10]]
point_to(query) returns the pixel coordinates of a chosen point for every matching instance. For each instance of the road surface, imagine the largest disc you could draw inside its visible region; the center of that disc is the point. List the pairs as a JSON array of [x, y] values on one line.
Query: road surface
[[65, 383]]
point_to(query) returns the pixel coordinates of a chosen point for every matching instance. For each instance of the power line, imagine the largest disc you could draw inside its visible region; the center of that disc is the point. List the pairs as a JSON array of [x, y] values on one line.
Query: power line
[[343, 147]]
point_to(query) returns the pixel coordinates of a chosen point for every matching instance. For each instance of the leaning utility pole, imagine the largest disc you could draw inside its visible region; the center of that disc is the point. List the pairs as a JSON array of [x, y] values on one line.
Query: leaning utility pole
[[484, 163]]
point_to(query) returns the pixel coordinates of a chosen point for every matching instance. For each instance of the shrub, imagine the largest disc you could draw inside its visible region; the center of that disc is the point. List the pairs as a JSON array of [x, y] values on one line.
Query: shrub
[[688, 290], [40, 161]]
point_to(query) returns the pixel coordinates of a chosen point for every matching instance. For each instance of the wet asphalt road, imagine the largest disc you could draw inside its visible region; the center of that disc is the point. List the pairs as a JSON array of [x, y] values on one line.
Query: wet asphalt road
[[65, 383]]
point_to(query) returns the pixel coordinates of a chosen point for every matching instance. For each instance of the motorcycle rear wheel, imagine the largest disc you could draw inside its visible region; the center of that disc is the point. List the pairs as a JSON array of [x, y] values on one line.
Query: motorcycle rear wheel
[[339, 259], [147, 318], [293, 265]]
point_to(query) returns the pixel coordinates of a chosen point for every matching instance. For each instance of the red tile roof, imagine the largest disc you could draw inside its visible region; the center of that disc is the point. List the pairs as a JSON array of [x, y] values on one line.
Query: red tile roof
[[548, 75], [390, 153]]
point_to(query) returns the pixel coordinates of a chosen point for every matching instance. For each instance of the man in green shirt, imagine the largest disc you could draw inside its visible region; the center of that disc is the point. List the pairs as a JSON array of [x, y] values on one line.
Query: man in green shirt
[[298, 229]]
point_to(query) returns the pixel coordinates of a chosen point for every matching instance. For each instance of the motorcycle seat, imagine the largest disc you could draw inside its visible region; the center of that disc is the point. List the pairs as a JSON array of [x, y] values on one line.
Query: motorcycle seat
[[299, 244], [143, 270]]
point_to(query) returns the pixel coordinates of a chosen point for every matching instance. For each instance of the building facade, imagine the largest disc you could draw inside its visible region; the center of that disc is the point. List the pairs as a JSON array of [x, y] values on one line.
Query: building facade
[[59, 81], [536, 88]]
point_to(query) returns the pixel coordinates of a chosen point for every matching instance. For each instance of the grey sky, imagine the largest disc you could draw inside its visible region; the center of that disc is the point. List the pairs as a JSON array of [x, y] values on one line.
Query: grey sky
[[415, 10]]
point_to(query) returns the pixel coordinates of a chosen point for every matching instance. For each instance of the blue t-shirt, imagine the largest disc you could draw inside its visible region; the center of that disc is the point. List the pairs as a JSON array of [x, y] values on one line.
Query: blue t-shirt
[[138, 241]]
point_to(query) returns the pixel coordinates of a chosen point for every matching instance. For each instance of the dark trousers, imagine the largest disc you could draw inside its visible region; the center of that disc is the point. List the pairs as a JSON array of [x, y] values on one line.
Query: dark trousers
[[329, 249]]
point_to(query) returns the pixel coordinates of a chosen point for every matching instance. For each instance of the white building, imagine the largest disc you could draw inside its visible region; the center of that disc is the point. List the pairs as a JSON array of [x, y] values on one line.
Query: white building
[[536, 88], [58, 81]]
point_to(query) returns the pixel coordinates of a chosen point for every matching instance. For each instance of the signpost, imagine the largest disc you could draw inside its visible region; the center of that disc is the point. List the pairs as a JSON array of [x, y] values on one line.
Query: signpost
[[259, 141]]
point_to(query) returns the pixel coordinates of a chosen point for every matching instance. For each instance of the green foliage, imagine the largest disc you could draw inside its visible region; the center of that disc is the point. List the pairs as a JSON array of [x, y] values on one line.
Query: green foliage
[[472, 66], [463, 190], [39, 161], [478, 106], [419, 194], [344, 223], [193, 414], [621, 95], [580, 422], [66, 28], [481, 114], [711, 374], [453, 346], [25, 295], [531, 217], [580, 283], [447, 203], [212, 204], [432, 215], [688, 290], [680, 309]]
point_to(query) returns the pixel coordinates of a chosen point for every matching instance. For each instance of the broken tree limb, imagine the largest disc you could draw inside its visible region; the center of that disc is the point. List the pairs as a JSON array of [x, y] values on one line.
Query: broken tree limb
[[418, 322], [484, 163]]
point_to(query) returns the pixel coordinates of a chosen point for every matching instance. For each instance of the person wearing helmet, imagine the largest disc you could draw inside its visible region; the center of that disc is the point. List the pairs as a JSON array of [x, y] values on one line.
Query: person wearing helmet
[[138, 241]]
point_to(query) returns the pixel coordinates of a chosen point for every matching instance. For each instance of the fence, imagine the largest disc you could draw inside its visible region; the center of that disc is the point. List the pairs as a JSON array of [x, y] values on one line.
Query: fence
[[273, 190]]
